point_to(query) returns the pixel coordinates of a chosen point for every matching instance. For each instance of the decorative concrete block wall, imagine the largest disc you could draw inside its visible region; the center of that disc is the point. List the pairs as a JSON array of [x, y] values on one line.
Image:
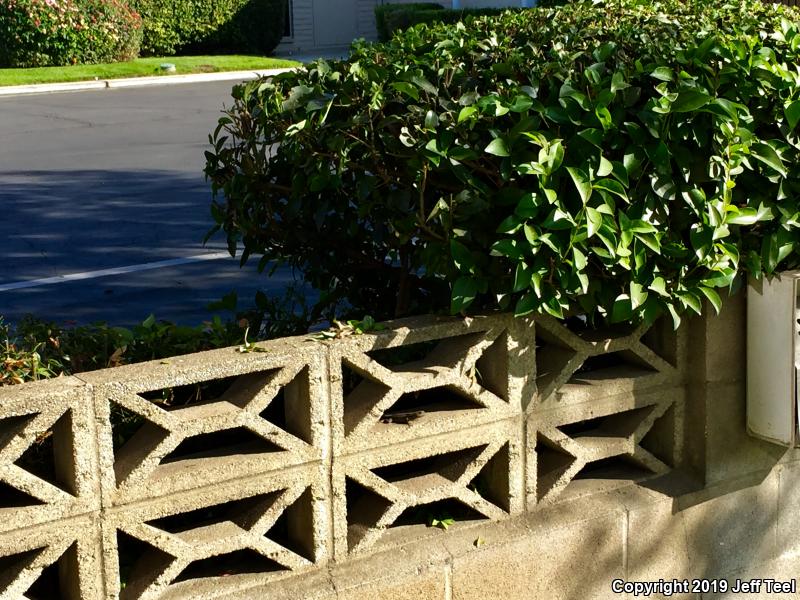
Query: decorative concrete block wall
[[312, 468]]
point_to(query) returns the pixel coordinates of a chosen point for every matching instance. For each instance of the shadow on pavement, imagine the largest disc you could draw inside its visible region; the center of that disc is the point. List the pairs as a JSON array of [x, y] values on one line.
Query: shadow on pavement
[[62, 222]]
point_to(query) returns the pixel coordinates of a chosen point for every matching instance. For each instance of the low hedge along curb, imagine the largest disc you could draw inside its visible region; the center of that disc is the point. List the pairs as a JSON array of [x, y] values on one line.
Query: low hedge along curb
[[400, 20], [41, 33], [206, 26], [619, 159], [383, 13]]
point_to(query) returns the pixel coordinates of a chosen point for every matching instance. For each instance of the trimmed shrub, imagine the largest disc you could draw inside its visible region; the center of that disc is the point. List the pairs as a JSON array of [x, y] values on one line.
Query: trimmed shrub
[[401, 20], [39, 33], [621, 160], [383, 10], [175, 26]]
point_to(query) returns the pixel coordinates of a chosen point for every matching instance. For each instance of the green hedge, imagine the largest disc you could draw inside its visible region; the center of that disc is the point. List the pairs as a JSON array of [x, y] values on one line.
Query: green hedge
[[399, 17], [382, 11], [402, 20], [209, 26], [41, 33], [622, 160]]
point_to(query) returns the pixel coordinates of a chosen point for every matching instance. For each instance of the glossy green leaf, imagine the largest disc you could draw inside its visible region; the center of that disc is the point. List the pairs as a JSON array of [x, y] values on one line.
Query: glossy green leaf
[[521, 104], [691, 301], [509, 225], [528, 206], [605, 168], [689, 100], [527, 304], [659, 286], [465, 289], [406, 88], [431, 120], [792, 113], [638, 295], [621, 310], [522, 277], [766, 154], [612, 186], [582, 183], [604, 116], [593, 136], [713, 297], [466, 113], [462, 257], [425, 84], [531, 234], [618, 82], [506, 247], [497, 147], [749, 216], [593, 221], [662, 74]]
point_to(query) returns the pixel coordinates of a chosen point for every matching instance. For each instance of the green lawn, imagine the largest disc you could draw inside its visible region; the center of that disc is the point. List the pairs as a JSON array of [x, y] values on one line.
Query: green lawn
[[141, 67]]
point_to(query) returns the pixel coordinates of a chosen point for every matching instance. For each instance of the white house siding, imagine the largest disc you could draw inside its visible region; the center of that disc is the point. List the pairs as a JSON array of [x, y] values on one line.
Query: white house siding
[[366, 19], [303, 28]]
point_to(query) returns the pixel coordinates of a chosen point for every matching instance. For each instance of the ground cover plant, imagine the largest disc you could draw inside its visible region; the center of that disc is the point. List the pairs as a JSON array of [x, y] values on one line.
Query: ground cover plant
[[618, 159], [33, 348]]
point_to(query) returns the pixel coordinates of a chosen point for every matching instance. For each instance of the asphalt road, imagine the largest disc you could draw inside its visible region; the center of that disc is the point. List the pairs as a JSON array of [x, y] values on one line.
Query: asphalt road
[[98, 180]]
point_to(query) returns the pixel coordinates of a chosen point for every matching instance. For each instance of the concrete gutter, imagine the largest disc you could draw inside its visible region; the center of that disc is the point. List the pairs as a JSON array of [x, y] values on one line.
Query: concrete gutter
[[77, 86]]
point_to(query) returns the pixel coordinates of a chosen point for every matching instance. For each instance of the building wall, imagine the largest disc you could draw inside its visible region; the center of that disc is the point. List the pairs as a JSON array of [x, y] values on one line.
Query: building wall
[[304, 15], [302, 28], [555, 461]]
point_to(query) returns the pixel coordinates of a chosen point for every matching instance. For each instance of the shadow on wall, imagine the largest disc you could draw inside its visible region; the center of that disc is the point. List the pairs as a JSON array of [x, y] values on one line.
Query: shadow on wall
[[738, 521], [729, 509]]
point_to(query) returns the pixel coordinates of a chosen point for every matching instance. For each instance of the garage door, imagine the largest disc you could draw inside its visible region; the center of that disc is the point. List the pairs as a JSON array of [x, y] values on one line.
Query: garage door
[[335, 22]]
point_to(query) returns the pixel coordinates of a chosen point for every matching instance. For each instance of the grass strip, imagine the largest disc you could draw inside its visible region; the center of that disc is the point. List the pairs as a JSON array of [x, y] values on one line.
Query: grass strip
[[141, 67]]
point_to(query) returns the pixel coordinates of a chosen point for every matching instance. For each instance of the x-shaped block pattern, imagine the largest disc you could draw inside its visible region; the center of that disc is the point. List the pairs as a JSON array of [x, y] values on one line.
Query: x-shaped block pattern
[[318, 446], [376, 493], [51, 562], [249, 540], [270, 417], [565, 374], [406, 384], [47, 453], [579, 442]]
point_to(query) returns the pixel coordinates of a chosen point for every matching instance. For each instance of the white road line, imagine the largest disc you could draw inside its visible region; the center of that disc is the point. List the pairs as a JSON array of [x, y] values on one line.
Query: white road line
[[173, 262]]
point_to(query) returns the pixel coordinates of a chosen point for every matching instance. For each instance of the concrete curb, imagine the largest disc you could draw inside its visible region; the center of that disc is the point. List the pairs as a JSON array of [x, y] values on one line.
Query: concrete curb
[[78, 86]]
